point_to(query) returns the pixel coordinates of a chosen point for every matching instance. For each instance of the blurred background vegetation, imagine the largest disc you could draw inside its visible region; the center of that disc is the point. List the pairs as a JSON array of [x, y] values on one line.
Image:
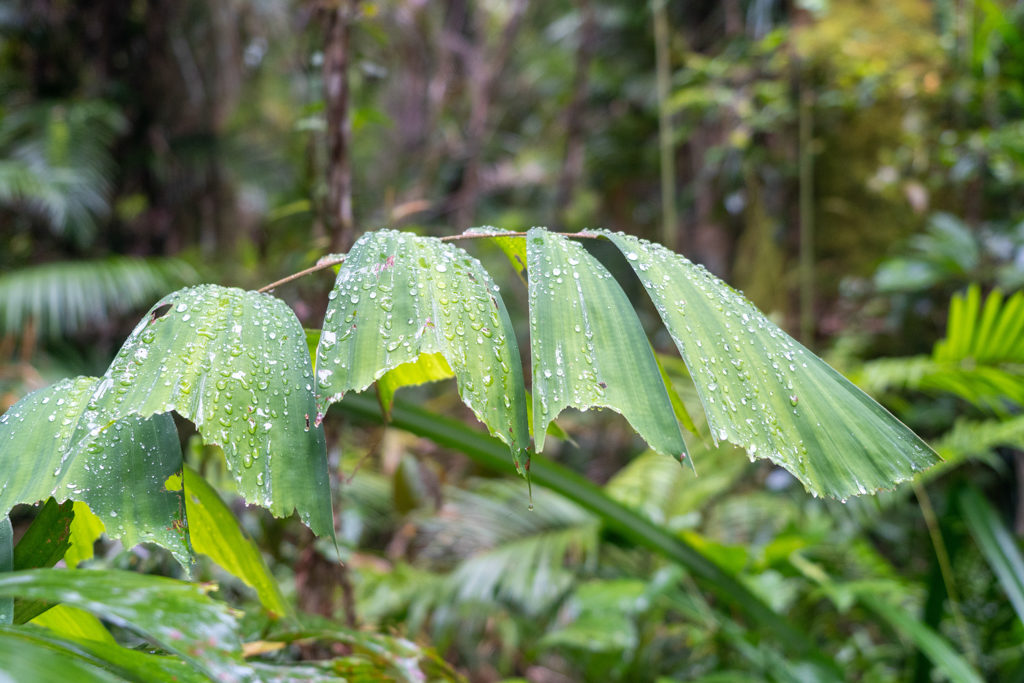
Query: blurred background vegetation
[[856, 168]]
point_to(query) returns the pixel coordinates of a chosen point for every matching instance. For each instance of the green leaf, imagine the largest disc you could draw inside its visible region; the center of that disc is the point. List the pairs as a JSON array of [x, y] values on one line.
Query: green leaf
[[53, 444], [174, 615], [513, 246], [236, 364], [85, 529], [214, 532], [765, 392], [588, 346], [72, 622], [997, 544], [24, 660], [934, 646], [6, 565], [429, 367], [128, 664], [398, 296]]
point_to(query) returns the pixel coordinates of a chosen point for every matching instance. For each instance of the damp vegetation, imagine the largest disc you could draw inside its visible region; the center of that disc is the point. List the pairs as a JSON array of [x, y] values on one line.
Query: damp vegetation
[[237, 365]]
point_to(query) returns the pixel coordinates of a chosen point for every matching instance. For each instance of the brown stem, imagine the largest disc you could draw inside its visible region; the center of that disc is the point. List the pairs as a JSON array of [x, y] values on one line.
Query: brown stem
[[321, 265], [337, 55], [572, 164]]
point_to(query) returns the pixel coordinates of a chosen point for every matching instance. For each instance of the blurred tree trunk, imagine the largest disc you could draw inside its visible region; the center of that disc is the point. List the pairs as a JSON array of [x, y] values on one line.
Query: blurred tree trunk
[[337, 55], [572, 164], [484, 70]]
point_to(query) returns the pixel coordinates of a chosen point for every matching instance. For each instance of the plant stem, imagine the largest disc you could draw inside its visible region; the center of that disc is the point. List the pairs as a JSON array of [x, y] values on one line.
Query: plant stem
[[6, 565], [323, 264], [665, 146]]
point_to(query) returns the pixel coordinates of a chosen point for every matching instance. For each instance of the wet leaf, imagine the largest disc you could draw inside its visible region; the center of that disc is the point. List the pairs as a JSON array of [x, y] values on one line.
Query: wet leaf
[[398, 296], [86, 528], [765, 392], [6, 564], [235, 363], [588, 346], [47, 448], [174, 615], [22, 659]]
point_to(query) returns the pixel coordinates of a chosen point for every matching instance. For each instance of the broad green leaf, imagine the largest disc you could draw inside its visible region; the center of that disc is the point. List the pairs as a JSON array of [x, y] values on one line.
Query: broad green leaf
[[214, 532], [122, 662], [85, 529], [398, 296], [6, 565], [23, 660], [997, 544], [429, 367], [72, 622], [765, 392], [588, 347], [235, 363], [174, 615], [942, 654], [52, 444]]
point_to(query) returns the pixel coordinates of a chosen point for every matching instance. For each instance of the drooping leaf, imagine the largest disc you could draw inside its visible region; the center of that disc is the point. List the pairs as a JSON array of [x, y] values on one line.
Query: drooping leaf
[[398, 296], [174, 615], [48, 448], [945, 658], [236, 364], [429, 367], [764, 391], [215, 532], [86, 528], [997, 544], [588, 347]]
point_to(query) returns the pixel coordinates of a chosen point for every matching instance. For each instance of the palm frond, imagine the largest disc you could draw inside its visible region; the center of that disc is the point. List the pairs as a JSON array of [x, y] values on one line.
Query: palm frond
[[65, 297]]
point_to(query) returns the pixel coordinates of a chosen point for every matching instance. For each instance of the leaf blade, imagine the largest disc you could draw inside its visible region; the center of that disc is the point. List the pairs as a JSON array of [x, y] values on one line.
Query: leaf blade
[[588, 347], [778, 400]]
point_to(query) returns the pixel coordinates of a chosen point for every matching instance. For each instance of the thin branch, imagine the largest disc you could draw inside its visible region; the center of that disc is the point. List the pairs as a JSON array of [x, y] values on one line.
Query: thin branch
[[321, 265], [324, 264]]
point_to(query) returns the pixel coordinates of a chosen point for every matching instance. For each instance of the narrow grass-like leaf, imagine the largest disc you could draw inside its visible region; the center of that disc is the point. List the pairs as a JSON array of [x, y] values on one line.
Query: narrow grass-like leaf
[[175, 615], [398, 296], [47, 539], [942, 654], [588, 347], [47, 449], [997, 545], [764, 391], [215, 532], [236, 364]]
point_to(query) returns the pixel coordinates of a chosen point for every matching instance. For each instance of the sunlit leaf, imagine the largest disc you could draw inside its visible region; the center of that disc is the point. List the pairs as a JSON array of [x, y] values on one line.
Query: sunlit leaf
[[215, 532], [764, 391], [47, 449], [72, 622], [174, 615], [588, 347], [429, 367], [236, 364], [86, 528], [398, 296]]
